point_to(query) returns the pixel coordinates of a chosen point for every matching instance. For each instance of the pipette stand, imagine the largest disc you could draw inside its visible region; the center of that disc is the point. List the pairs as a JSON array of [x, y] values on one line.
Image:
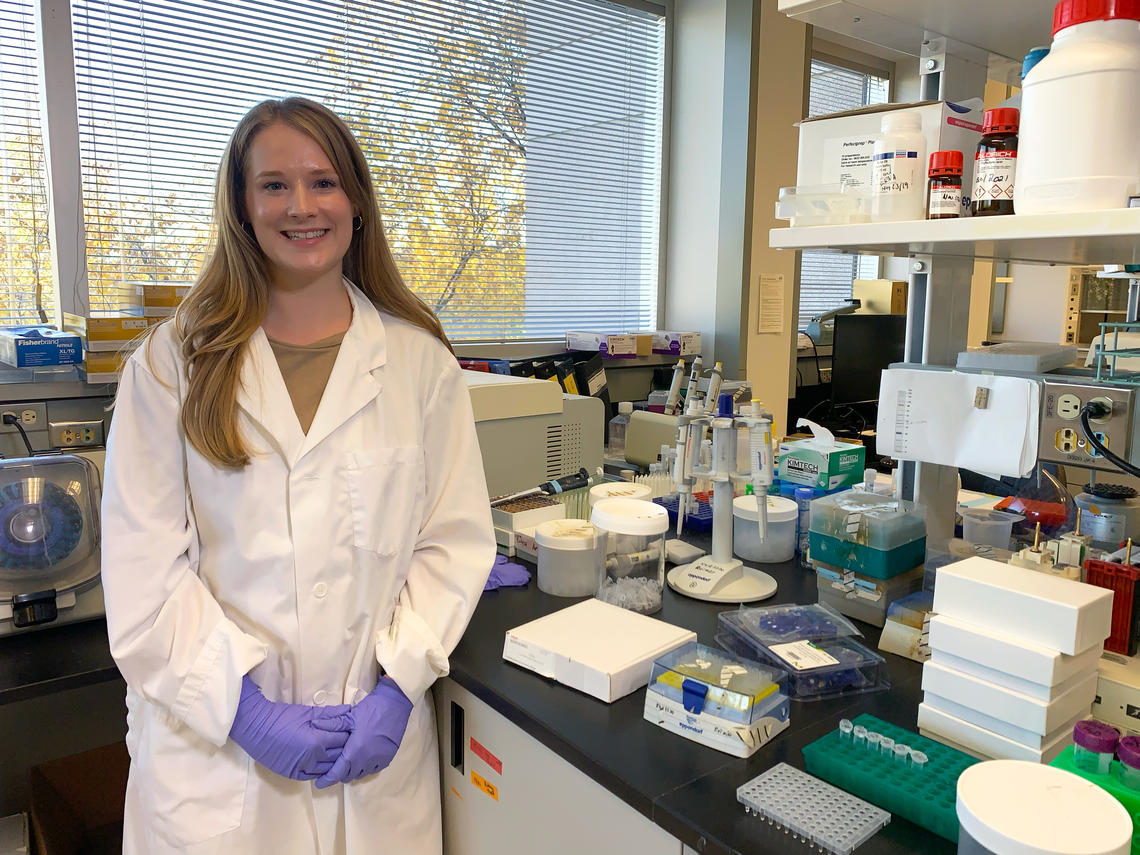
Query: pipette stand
[[710, 576]]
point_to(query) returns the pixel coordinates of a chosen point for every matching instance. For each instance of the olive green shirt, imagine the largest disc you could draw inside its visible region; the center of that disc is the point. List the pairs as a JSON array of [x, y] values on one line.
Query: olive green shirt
[[306, 369]]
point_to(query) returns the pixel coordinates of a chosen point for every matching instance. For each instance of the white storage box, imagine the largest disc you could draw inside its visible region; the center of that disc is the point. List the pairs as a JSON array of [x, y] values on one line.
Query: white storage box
[[1023, 661], [979, 742], [602, 650], [1007, 681], [837, 148], [1067, 616], [1017, 709], [1027, 738]]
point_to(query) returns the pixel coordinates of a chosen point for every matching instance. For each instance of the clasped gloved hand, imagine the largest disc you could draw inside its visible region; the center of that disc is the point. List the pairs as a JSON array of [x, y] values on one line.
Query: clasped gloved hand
[[506, 574], [284, 738], [378, 723]]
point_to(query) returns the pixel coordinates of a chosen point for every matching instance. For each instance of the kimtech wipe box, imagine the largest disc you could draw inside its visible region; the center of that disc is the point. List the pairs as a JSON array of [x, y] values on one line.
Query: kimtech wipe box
[[821, 460]]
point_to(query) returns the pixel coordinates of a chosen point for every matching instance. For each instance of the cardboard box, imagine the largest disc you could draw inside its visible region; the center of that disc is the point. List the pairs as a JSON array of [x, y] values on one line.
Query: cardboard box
[[32, 346], [77, 803], [1021, 711], [979, 742], [597, 648], [607, 344], [1034, 607], [825, 463], [1013, 682], [1017, 662], [837, 148], [643, 342], [158, 295], [107, 331], [677, 343], [880, 296]]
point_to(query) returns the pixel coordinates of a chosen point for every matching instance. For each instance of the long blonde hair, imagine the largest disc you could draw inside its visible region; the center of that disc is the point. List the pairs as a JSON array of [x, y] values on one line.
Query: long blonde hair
[[229, 300]]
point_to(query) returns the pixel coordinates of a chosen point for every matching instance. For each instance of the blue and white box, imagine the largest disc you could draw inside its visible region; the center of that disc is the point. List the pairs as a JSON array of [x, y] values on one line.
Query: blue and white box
[[33, 346]]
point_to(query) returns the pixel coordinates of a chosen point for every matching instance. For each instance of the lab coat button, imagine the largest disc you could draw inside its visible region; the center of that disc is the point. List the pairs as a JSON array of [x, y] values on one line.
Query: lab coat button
[[320, 589], [320, 696]]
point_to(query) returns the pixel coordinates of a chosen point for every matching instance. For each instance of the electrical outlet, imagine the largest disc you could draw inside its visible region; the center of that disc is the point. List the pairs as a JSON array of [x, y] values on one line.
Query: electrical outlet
[[1065, 440], [1104, 440], [1100, 399], [1069, 406], [1062, 439], [75, 434], [30, 416]]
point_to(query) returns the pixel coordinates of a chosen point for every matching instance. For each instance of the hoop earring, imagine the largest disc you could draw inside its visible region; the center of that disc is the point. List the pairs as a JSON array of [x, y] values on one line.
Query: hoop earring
[[357, 223], [247, 228]]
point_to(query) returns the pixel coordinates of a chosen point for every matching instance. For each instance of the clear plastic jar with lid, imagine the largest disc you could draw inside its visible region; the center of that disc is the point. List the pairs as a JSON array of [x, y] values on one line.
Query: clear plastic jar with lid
[[898, 166], [630, 553], [566, 558]]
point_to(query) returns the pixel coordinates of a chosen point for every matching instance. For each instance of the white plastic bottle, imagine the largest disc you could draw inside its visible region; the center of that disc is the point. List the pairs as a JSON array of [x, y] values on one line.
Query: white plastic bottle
[[616, 448], [898, 169], [1080, 113]]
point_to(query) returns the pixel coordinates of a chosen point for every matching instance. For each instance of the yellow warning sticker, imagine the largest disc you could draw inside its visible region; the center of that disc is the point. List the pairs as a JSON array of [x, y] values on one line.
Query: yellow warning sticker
[[485, 785]]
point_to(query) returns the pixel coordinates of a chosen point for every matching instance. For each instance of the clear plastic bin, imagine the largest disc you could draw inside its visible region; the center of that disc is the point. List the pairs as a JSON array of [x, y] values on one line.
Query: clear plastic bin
[[630, 553], [778, 624], [711, 681], [880, 522], [990, 528], [822, 205], [864, 597]]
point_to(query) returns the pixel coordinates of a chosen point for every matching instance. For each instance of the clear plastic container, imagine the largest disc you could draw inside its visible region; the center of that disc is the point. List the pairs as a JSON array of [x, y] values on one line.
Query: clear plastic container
[[880, 522], [864, 597], [567, 558], [780, 543], [732, 688], [1094, 744], [615, 447], [630, 553], [898, 169], [1128, 769], [989, 528], [823, 205], [619, 490], [778, 624]]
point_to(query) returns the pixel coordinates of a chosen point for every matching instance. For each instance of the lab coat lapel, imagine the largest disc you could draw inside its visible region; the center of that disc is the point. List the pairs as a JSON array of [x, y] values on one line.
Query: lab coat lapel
[[264, 397], [356, 377]]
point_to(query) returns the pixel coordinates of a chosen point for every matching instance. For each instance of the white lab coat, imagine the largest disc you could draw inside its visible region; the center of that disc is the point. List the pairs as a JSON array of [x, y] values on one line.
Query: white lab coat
[[365, 542]]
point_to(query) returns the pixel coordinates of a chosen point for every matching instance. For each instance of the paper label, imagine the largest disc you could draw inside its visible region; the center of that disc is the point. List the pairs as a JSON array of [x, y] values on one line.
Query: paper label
[[896, 173], [803, 655], [847, 161], [529, 656], [485, 785], [945, 199], [993, 175], [486, 756], [1106, 527]]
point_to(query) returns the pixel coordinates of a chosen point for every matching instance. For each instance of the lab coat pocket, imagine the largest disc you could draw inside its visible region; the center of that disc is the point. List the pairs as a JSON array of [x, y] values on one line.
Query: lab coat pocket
[[386, 486], [195, 791]]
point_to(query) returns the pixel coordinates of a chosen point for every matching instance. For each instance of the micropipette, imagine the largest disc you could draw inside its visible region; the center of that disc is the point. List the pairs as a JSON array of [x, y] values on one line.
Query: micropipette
[[716, 378], [694, 380], [672, 403]]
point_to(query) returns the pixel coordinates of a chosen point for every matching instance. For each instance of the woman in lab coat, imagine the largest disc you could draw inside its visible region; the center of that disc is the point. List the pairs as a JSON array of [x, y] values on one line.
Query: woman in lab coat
[[295, 523]]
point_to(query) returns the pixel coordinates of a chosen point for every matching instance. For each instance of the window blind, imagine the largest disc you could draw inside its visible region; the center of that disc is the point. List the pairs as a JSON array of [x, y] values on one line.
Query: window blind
[[515, 146], [826, 277], [26, 289]]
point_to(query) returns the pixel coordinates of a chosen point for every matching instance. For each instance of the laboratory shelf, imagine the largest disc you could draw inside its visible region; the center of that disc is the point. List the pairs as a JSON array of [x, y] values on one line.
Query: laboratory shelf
[[1091, 237], [926, 797]]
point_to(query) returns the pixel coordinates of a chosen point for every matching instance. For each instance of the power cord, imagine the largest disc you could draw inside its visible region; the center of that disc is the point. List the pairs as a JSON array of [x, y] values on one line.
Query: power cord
[[10, 419], [1091, 410]]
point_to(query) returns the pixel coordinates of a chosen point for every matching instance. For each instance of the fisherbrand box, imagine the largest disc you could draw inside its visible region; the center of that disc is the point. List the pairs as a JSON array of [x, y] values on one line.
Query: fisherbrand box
[[827, 465], [25, 347]]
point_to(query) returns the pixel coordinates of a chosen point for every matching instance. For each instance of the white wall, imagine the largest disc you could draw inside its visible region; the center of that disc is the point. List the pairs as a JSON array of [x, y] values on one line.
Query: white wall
[[1035, 303]]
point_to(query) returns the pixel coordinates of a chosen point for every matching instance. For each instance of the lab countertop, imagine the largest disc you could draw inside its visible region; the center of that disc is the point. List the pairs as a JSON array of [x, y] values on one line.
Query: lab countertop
[[686, 788]]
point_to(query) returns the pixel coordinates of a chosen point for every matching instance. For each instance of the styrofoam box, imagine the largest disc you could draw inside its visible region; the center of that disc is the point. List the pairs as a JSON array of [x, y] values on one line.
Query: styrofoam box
[[838, 148], [1015, 708], [979, 742], [1022, 661], [1007, 681], [1033, 607], [1003, 728]]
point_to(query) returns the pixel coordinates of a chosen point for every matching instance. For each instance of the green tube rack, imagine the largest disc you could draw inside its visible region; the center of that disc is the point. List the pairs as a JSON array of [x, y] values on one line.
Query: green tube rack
[[927, 797], [1127, 796]]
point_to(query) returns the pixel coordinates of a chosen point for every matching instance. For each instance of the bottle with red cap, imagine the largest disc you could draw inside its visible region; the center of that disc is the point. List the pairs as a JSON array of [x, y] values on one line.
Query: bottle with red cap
[[995, 164], [1080, 112], [944, 192]]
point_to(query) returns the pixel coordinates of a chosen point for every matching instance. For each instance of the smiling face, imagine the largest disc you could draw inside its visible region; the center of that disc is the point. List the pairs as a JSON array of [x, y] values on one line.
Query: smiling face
[[297, 208]]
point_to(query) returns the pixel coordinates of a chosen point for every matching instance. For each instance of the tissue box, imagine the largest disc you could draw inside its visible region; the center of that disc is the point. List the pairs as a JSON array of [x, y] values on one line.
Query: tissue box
[[677, 343], [604, 343], [823, 462], [28, 347]]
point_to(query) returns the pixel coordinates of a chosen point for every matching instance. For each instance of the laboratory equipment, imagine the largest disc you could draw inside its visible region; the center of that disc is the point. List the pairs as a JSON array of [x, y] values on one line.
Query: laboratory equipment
[[717, 699], [49, 540], [511, 516], [863, 597], [874, 535], [823, 205], [1078, 113], [1094, 745], [673, 401], [619, 490], [1111, 513], [1071, 548], [780, 542], [1012, 807], [694, 380], [617, 428], [944, 190], [1121, 579], [995, 164], [921, 791], [990, 528], [1128, 770], [719, 577], [906, 631], [821, 328], [898, 166], [645, 434], [1118, 692], [803, 522], [567, 564], [864, 346], [1038, 558], [712, 393], [812, 811], [811, 642], [630, 553]]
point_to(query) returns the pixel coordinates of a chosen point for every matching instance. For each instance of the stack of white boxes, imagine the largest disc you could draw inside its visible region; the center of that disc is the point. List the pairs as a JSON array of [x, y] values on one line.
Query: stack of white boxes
[[1013, 659]]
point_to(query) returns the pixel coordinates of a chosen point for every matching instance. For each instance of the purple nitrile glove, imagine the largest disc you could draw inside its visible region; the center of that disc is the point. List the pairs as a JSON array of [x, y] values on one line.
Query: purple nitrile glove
[[506, 574], [283, 737], [378, 724]]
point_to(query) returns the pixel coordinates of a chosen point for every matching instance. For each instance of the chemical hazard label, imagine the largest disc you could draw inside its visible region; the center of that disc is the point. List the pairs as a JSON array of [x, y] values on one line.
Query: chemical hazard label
[[485, 785]]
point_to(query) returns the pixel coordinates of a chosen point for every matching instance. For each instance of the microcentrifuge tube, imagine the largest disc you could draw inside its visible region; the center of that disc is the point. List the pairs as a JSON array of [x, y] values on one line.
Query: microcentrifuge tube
[[845, 728], [860, 736], [917, 760], [902, 753], [873, 740], [887, 747]]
